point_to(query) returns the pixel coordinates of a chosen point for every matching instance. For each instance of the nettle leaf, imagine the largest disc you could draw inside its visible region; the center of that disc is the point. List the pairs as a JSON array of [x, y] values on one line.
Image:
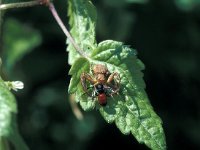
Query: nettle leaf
[[82, 20], [8, 126], [7, 108], [131, 110], [78, 67]]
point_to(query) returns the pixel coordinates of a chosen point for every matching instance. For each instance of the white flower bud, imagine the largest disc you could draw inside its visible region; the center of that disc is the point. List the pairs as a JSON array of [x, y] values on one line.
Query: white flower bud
[[15, 85]]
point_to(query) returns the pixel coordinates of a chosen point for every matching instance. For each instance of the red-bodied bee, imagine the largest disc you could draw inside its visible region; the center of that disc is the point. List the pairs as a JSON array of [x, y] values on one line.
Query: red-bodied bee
[[104, 83], [101, 93]]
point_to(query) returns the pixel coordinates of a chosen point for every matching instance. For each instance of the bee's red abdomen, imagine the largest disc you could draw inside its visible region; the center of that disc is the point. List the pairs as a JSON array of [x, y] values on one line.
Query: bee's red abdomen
[[102, 99]]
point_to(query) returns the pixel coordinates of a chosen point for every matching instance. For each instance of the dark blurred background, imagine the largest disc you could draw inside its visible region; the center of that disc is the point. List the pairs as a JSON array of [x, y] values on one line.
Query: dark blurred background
[[166, 34]]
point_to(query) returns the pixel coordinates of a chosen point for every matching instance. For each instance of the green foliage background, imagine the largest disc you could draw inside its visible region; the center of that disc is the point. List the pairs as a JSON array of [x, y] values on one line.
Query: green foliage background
[[166, 35]]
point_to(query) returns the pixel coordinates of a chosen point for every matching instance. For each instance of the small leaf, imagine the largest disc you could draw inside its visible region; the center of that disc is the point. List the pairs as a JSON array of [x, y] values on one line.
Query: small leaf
[[82, 15], [8, 126], [130, 110], [18, 40], [7, 107]]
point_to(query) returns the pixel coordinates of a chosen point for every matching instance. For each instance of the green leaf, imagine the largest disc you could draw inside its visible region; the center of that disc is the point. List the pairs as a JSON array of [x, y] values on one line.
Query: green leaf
[[78, 67], [7, 107], [130, 110], [8, 126], [18, 40], [82, 21]]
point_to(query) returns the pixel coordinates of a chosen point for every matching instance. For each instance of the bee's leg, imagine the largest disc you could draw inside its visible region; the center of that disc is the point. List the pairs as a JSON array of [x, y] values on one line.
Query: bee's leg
[[113, 76], [84, 77], [94, 94], [107, 90], [116, 78]]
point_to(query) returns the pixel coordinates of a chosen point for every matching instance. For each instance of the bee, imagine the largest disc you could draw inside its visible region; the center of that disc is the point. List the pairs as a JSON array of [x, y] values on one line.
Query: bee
[[104, 83]]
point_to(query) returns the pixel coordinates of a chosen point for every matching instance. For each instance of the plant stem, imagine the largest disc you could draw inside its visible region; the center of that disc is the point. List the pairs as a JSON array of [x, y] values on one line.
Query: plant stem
[[19, 5], [54, 13], [62, 26], [75, 109]]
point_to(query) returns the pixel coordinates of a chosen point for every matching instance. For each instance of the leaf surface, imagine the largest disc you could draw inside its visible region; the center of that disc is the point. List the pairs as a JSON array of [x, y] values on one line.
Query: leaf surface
[[8, 126], [82, 20], [130, 110]]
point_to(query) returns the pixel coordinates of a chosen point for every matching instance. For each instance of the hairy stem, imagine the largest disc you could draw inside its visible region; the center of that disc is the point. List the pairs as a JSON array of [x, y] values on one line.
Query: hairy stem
[[19, 5], [62, 26], [54, 13]]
